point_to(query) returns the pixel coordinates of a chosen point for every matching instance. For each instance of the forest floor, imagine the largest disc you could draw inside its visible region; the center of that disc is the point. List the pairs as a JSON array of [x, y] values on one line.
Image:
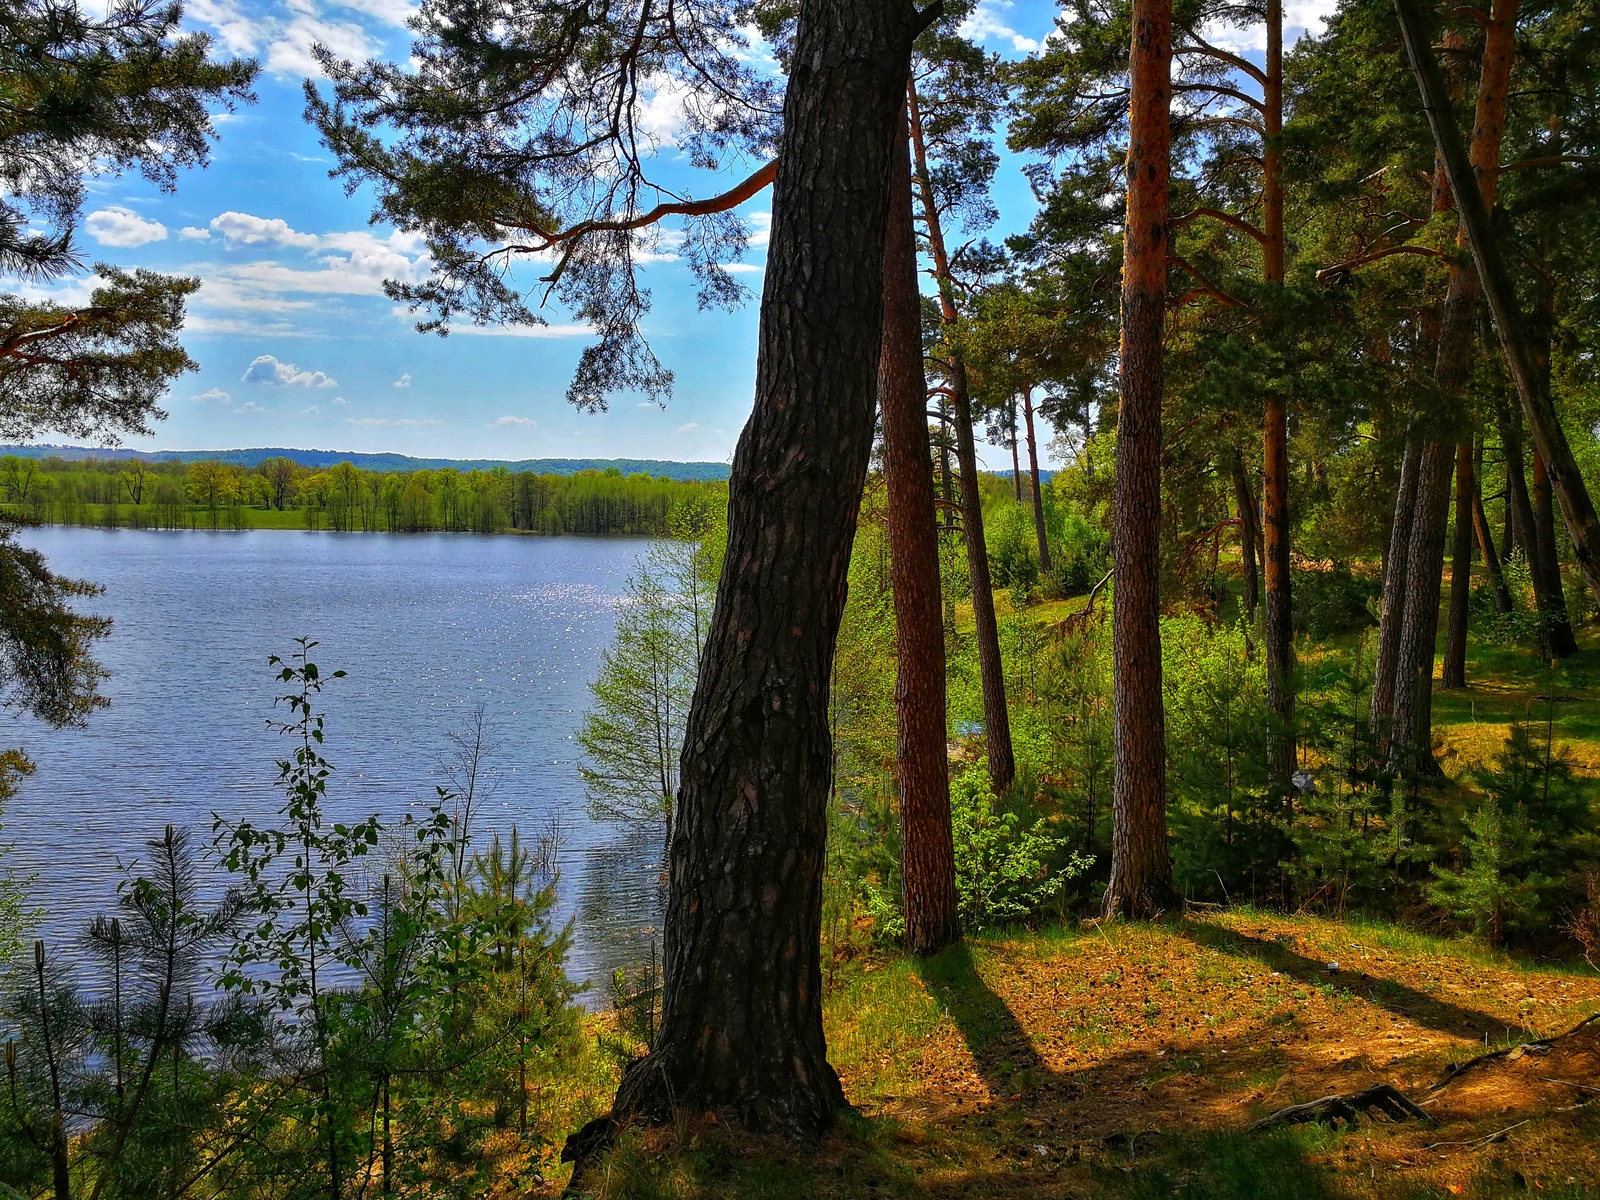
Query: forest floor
[[1128, 1060]]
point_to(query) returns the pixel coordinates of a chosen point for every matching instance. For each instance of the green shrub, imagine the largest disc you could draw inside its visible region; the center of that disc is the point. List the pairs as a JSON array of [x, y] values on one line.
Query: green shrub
[[1007, 868]]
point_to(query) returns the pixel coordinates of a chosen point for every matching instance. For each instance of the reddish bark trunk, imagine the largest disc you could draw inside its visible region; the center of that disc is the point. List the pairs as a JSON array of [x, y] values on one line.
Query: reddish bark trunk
[[986, 628], [741, 1023], [927, 861], [1141, 867]]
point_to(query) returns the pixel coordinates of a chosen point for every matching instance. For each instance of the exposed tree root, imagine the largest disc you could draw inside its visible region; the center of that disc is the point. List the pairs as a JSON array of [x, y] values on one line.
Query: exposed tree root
[[1380, 1097]]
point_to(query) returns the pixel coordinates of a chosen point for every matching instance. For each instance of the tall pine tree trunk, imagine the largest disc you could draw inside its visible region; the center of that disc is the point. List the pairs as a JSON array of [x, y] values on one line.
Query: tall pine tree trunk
[[1453, 673], [1275, 436], [986, 628], [1549, 439], [1412, 725], [741, 1022], [1141, 867], [1033, 474], [927, 860]]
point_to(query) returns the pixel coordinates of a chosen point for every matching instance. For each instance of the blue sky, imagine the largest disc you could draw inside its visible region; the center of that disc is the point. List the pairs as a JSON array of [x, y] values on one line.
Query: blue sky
[[296, 343]]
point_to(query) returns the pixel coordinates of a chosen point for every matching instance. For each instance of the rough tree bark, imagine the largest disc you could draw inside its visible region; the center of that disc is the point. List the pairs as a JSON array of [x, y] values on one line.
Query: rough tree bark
[[1412, 725], [1245, 503], [927, 859], [1033, 475], [1394, 593], [1549, 439], [1453, 672], [986, 628], [1279, 632], [741, 1023], [1141, 867]]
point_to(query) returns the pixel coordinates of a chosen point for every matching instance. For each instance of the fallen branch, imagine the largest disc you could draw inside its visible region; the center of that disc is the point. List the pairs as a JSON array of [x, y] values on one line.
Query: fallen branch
[[1499, 1135], [1455, 1070], [1381, 1097]]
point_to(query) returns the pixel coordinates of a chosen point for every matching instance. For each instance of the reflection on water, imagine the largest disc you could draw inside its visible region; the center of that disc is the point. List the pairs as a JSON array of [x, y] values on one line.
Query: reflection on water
[[428, 627]]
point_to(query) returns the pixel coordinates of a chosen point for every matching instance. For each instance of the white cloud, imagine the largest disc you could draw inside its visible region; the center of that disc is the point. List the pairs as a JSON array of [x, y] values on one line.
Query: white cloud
[[1299, 17], [985, 24], [266, 369], [390, 12], [123, 227], [351, 264], [689, 428], [289, 52], [313, 411], [340, 400], [214, 394], [194, 233], [392, 422], [404, 381], [253, 230], [647, 404], [760, 228], [250, 406], [522, 422], [742, 268]]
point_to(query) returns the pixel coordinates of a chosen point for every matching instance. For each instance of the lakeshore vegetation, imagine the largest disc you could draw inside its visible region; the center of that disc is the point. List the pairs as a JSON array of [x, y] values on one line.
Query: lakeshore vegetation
[[1216, 817], [280, 494]]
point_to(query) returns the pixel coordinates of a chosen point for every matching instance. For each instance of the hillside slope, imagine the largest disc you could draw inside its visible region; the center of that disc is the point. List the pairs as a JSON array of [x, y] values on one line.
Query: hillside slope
[[1128, 1061]]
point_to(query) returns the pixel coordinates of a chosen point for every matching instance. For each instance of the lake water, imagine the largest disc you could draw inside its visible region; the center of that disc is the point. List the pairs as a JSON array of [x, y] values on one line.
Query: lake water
[[428, 626]]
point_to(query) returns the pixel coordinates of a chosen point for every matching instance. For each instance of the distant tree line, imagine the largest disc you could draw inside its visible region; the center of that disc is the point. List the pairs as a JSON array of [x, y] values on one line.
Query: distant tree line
[[279, 493]]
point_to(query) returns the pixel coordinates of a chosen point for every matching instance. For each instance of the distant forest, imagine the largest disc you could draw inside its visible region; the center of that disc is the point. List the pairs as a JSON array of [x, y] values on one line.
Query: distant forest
[[279, 493], [318, 459]]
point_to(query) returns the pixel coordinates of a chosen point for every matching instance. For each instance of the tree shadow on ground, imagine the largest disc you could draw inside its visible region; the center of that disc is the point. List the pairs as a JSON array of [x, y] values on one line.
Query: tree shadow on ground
[[997, 1040], [1419, 1007]]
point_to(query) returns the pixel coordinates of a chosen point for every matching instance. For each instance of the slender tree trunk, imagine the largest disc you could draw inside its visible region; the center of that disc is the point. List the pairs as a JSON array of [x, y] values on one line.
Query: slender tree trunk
[[1141, 867], [741, 1023], [1485, 539], [1544, 558], [1033, 474], [1410, 728], [1549, 439], [1245, 503], [1279, 633], [986, 628], [1016, 465], [1453, 673], [1519, 504], [927, 858], [1395, 577]]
